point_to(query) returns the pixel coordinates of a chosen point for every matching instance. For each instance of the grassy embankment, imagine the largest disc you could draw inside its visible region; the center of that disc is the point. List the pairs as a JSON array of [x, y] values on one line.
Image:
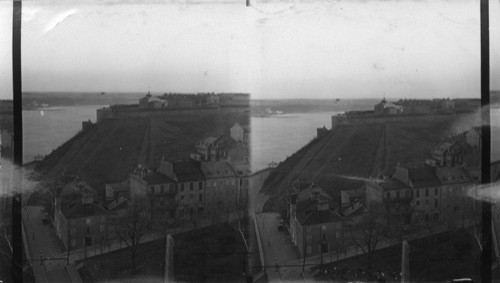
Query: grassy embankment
[[110, 150], [358, 151]]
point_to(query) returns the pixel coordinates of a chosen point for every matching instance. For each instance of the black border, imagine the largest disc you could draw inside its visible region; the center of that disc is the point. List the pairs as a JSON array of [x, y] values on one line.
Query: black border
[[486, 257], [17, 254]]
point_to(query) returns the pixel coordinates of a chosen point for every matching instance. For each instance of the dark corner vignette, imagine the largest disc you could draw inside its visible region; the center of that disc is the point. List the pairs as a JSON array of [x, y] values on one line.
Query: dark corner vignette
[[17, 256]]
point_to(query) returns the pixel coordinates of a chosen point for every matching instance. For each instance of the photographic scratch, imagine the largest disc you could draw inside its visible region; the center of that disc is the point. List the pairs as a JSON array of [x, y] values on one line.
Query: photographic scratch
[[57, 20]]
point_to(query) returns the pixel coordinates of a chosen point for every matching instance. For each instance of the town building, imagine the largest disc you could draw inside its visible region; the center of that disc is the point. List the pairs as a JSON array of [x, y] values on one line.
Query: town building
[[240, 133], [451, 151], [79, 219], [224, 195], [314, 222], [152, 102], [456, 204], [190, 186], [395, 196], [387, 108], [211, 148], [425, 187]]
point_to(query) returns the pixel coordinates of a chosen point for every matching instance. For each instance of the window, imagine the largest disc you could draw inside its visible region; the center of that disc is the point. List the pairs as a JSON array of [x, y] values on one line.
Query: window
[[73, 232], [309, 239], [191, 196], [436, 203], [387, 195], [200, 198], [89, 230], [182, 197], [190, 186], [418, 193], [87, 221], [162, 189], [152, 188], [397, 195], [73, 242], [418, 203], [323, 236], [323, 227], [200, 185], [435, 191], [182, 187], [426, 192]]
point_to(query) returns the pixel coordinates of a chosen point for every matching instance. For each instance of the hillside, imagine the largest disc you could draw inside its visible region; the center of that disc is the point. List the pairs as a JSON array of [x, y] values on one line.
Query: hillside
[[110, 150], [341, 159]]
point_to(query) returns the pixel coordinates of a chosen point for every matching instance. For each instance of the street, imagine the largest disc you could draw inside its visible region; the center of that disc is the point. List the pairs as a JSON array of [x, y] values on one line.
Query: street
[[45, 253]]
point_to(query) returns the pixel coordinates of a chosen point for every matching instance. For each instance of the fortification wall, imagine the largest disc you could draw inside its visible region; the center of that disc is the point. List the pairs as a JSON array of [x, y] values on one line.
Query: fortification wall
[[174, 114], [372, 119]]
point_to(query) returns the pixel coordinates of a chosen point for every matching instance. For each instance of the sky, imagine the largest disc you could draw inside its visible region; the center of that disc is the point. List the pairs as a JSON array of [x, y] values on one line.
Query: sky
[[288, 49]]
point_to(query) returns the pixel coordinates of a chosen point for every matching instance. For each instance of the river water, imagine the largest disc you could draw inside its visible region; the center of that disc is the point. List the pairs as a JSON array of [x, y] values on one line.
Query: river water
[[273, 138]]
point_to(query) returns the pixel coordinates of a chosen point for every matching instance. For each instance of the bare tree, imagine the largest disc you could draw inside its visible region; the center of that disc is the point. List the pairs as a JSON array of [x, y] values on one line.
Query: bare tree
[[7, 235], [369, 231], [241, 224], [132, 225]]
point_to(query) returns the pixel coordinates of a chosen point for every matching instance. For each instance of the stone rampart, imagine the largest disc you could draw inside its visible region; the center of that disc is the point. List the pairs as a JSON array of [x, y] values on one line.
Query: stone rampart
[[175, 114], [343, 119]]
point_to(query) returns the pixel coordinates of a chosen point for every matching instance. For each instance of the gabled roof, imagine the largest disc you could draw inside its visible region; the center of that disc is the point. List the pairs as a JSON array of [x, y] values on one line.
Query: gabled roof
[[78, 210], [392, 184], [188, 171], [423, 177], [158, 178], [452, 175], [217, 169], [308, 213]]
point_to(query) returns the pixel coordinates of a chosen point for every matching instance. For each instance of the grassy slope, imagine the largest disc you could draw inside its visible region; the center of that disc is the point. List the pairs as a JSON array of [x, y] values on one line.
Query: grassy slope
[[109, 151], [365, 151]]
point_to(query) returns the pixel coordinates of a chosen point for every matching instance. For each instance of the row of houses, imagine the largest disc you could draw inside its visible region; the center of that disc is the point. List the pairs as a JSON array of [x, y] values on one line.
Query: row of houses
[[415, 196], [175, 192], [224, 147]]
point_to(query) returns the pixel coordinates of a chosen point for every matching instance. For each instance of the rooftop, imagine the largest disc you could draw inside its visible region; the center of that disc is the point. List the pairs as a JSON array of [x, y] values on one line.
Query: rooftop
[[78, 210], [452, 175], [217, 169], [157, 178], [309, 214], [188, 171], [423, 177]]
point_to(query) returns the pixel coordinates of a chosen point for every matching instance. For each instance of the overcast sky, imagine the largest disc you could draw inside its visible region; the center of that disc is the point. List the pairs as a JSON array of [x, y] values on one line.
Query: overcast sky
[[306, 49]]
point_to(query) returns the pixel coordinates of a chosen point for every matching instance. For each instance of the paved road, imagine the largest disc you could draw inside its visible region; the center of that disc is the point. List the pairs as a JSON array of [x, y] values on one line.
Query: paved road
[[43, 243], [277, 246]]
